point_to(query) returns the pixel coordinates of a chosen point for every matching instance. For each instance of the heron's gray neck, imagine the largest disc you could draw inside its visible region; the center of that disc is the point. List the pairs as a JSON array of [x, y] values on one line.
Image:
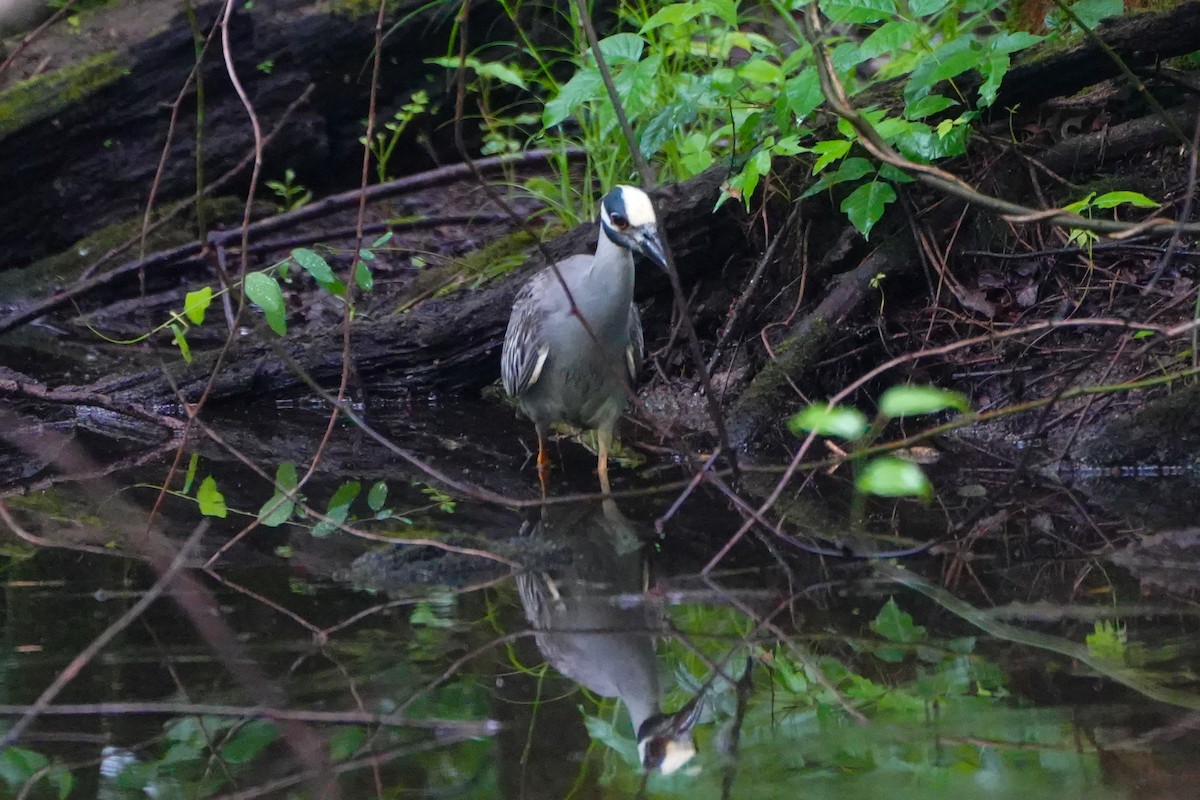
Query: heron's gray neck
[[610, 280]]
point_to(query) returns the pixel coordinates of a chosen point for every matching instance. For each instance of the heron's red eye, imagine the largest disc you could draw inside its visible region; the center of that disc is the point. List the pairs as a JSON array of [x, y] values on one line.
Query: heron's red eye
[[619, 222]]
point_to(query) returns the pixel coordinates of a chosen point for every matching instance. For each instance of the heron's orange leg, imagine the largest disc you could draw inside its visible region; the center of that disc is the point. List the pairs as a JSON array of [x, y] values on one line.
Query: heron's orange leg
[[543, 464], [603, 441]]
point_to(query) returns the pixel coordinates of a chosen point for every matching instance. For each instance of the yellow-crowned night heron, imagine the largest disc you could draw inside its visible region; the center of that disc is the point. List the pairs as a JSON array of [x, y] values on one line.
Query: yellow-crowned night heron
[[551, 363]]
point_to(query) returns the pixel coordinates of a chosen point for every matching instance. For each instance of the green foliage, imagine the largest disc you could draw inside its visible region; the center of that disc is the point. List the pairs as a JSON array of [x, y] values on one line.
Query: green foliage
[[384, 142], [703, 84], [883, 476], [20, 766], [1107, 201], [279, 508], [210, 499], [290, 195]]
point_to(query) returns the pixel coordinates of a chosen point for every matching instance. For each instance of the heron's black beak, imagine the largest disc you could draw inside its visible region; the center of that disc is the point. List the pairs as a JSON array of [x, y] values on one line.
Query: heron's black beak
[[650, 244]]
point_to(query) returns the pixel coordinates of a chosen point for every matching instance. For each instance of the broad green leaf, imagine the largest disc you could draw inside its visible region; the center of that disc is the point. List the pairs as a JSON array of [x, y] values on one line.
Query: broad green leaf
[[278, 509], [950, 59], [803, 93], [212, 502], [1091, 12], [584, 85], [622, 48], [927, 105], [18, 764], [1114, 199], [923, 8], [673, 14], [196, 303], [501, 72], [339, 508], [890, 37], [865, 205], [761, 72], [849, 170], [377, 496], [844, 422], [363, 276], [858, 10], [829, 151], [249, 741], [264, 291], [312, 263], [897, 625], [891, 477], [179, 339], [908, 401], [345, 742]]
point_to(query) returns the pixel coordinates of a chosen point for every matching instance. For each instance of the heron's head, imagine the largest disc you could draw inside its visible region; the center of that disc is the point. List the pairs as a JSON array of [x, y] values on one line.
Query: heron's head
[[627, 218], [665, 740]]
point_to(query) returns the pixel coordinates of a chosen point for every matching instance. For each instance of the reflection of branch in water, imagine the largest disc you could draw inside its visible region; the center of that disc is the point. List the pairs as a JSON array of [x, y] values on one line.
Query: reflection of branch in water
[[604, 645]]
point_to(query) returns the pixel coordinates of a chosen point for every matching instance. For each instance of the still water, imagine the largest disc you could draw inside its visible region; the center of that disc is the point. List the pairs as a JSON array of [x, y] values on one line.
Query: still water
[[1024, 658]]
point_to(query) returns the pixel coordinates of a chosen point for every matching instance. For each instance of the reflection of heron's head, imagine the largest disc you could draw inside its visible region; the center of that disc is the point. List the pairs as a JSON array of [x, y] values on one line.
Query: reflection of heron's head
[[665, 740]]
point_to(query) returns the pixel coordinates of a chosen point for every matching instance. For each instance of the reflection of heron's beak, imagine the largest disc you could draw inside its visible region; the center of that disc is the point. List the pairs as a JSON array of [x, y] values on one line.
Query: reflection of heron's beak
[[665, 743]]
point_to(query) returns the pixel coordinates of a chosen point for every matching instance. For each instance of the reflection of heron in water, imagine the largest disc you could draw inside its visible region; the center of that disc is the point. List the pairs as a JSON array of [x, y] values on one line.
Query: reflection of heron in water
[[589, 637]]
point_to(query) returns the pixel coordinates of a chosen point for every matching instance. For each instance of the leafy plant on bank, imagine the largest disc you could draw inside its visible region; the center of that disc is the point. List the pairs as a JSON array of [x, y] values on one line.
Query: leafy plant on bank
[[708, 82], [264, 290]]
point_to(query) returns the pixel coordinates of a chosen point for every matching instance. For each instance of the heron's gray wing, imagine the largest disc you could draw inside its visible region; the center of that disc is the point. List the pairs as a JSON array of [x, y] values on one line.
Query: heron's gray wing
[[636, 351], [524, 353]]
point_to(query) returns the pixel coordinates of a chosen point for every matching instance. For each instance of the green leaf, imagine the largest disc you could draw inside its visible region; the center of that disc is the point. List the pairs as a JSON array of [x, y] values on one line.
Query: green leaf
[[278, 509], [1114, 199], [501, 72], [179, 339], [923, 8], [803, 93], [891, 477], [946, 61], [890, 37], [584, 85], [844, 422], [849, 170], [1092, 12], [829, 151], [908, 401], [346, 741], [63, 780], [18, 765], [673, 14], [212, 502], [363, 276], [761, 72], [193, 462], [249, 741], [377, 496], [264, 291], [382, 240], [312, 263], [858, 10], [338, 510], [196, 303], [927, 105], [897, 625], [865, 205], [622, 48]]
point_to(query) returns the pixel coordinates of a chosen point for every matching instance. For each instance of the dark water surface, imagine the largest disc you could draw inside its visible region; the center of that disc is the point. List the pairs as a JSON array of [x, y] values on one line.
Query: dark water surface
[[1022, 661]]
